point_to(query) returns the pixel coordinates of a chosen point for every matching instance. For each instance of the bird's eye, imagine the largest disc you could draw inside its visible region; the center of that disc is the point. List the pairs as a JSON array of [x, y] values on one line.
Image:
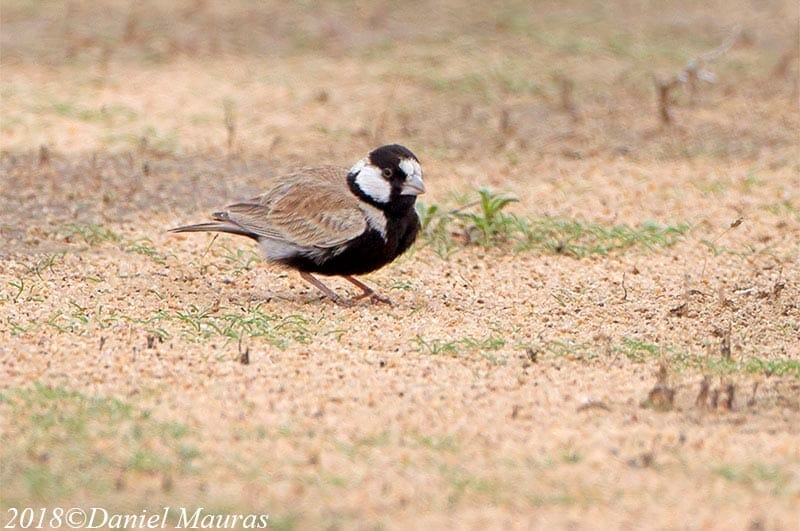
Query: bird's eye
[[387, 173]]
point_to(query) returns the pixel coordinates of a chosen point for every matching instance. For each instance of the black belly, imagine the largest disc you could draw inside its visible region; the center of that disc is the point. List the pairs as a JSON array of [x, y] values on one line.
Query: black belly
[[366, 253]]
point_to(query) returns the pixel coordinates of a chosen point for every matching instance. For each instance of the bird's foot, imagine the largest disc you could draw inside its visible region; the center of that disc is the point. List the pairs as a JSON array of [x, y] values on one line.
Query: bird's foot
[[368, 292], [344, 303], [374, 298], [353, 301]]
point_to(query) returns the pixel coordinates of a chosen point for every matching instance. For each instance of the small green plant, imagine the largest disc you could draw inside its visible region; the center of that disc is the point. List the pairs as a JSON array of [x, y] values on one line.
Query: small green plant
[[457, 346], [144, 246], [155, 140], [240, 259], [19, 285], [77, 319], [637, 350], [439, 443], [204, 322], [571, 455], [782, 208], [109, 114], [90, 233], [568, 349], [44, 264], [775, 477], [491, 224], [359, 445], [464, 483], [20, 329], [198, 320], [436, 229], [486, 227]]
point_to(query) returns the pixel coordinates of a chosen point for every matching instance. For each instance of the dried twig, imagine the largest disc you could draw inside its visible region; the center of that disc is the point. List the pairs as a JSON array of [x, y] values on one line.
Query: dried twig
[[129, 34], [735, 223], [664, 87], [505, 127], [727, 402], [752, 400], [702, 397], [624, 289], [725, 346], [244, 353], [44, 155], [693, 72], [661, 397], [787, 60], [230, 122], [566, 88]]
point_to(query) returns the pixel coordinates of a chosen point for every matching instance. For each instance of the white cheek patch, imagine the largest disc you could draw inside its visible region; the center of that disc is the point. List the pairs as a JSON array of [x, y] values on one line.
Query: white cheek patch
[[372, 183], [411, 168], [359, 166]]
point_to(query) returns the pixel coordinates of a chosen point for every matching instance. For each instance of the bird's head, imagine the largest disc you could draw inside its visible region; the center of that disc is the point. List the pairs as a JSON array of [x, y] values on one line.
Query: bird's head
[[389, 177]]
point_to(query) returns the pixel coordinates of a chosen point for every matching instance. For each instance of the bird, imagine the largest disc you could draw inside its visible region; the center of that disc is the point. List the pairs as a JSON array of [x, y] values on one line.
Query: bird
[[331, 221]]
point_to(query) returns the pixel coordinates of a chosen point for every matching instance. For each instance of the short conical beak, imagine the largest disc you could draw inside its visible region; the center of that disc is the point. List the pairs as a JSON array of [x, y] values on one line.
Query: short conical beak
[[413, 186]]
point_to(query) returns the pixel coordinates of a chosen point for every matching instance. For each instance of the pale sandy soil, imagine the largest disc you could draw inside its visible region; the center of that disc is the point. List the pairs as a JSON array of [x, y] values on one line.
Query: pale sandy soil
[[506, 388]]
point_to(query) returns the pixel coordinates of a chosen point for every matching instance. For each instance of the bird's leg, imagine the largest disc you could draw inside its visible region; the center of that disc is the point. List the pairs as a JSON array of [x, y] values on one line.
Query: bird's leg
[[367, 291], [324, 289]]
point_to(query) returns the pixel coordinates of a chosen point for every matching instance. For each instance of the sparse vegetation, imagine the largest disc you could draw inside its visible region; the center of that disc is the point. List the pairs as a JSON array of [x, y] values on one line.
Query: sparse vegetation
[[193, 323], [200, 323], [598, 323], [757, 475], [639, 351], [64, 444], [457, 347], [145, 247], [91, 234], [446, 230], [723, 366]]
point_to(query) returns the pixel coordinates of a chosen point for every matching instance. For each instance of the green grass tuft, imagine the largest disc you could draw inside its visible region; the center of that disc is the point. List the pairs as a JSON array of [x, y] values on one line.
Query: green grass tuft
[[485, 223], [200, 323], [63, 443], [756, 475], [457, 347], [89, 233], [144, 246], [637, 350]]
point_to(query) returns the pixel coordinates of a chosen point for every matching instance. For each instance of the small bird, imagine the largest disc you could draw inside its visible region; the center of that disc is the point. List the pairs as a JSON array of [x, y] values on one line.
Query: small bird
[[332, 221]]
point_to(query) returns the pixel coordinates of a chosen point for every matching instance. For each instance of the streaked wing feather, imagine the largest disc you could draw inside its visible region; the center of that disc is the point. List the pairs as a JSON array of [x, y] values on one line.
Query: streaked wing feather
[[310, 208]]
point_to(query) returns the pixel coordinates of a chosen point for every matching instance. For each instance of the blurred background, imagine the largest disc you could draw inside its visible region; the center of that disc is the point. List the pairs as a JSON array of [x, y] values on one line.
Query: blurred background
[[300, 80]]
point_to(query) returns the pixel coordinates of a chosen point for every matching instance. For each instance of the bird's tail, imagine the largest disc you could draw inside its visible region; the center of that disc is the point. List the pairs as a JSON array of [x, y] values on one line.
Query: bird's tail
[[215, 226]]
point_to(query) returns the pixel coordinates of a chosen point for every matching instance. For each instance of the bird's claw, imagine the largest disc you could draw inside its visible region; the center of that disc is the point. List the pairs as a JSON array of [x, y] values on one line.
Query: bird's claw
[[374, 297], [345, 303]]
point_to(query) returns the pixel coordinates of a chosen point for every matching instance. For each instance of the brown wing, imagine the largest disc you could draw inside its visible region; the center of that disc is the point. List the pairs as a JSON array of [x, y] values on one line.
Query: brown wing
[[312, 207]]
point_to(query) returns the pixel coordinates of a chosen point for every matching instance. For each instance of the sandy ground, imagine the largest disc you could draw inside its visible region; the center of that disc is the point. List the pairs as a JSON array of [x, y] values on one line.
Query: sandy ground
[[655, 384]]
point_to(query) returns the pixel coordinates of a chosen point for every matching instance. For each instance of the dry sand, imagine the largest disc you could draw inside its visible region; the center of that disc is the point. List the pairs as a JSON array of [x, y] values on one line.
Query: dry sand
[[506, 388]]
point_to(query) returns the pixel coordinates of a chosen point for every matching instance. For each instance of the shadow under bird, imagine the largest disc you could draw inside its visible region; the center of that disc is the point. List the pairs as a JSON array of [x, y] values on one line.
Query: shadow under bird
[[333, 221]]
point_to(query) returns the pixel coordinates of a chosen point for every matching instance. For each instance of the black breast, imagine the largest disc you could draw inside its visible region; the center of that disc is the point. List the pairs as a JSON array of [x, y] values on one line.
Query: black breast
[[366, 253]]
